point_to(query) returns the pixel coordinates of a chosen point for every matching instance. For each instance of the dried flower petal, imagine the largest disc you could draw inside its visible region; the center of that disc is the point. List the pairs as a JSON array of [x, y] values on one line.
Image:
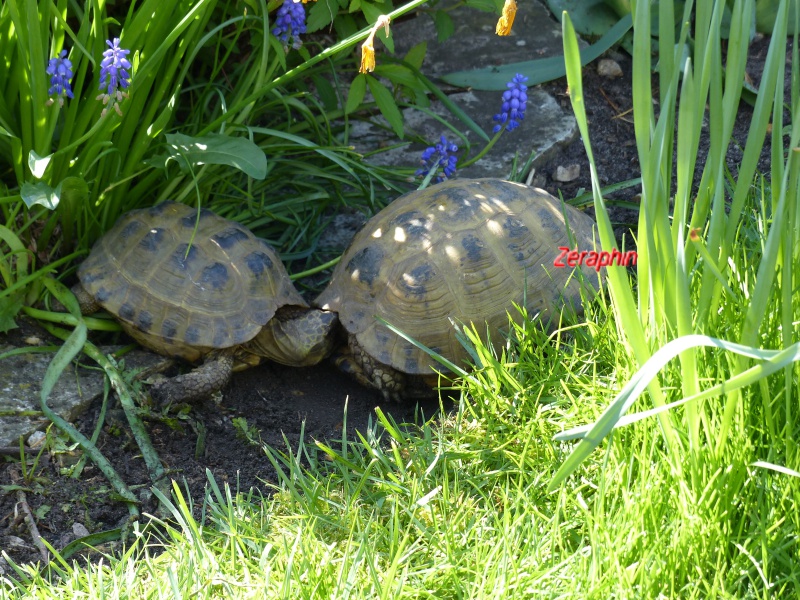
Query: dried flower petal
[[368, 47], [506, 19]]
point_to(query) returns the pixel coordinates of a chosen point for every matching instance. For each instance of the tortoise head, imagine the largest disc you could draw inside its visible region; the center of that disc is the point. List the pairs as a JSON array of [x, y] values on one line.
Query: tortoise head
[[297, 336]]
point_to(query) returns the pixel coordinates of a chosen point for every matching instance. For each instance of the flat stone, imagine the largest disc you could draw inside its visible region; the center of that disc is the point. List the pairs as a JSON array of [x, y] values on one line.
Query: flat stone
[[546, 126], [21, 387], [568, 173], [609, 68]]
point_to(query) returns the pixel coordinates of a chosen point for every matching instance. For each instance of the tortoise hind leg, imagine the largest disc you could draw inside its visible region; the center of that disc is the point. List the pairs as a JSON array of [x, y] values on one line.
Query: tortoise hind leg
[[199, 383], [357, 363]]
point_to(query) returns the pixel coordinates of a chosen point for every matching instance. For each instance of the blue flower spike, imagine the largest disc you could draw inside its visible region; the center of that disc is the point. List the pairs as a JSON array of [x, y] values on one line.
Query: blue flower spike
[[514, 100], [290, 22], [60, 71], [441, 155], [114, 74]]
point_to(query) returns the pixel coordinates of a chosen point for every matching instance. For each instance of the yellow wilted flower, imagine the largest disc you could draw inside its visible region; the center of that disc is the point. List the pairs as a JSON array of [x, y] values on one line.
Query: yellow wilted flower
[[507, 18], [368, 48]]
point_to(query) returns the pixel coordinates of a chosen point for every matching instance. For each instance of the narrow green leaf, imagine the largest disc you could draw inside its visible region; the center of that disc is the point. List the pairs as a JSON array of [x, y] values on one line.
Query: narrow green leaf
[[397, 74], [69, 350], [387, 105], [416, 55], [454, 109], [10, 305], [537, 71], [356, 94], [326, 93], [444, 25], [483, 5]]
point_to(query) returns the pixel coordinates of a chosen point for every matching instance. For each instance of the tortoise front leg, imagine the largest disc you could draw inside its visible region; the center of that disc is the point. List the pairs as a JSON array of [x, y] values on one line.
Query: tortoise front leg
[[199, 383]]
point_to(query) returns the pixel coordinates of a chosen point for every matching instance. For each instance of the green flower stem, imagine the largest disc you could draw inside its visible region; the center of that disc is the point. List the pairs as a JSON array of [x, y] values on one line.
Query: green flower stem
[[67, 319], [483, 152], [315, 270]]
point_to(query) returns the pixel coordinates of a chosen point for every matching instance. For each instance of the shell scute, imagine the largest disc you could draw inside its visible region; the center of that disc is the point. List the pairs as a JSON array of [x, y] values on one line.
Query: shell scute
[[365, 266], [230, 237], [467, 251], [183, 282]]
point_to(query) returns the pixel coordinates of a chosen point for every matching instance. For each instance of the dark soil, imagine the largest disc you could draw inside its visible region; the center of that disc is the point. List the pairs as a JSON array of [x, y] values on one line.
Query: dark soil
[[278, 402]]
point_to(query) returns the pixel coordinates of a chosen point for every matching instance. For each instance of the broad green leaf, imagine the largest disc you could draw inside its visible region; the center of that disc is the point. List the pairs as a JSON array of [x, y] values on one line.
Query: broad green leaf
[[354, 6], [356, 95], [38, 164], [213, 149], [537, 71], [444, 25], [387, 105], [321, 14], [39, 193]]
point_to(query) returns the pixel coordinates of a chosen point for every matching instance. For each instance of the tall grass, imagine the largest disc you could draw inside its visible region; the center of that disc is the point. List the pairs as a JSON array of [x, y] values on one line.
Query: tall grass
[[686, 283]]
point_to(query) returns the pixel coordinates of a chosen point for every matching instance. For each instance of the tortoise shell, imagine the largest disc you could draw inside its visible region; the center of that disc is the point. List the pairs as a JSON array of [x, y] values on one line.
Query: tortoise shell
[[458, 252], [183, 282]]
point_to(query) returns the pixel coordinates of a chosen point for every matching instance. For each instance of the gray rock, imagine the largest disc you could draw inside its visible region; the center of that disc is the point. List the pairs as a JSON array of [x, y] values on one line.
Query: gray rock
[[609, 68], [474, 44], [21, 386], [568, 173]]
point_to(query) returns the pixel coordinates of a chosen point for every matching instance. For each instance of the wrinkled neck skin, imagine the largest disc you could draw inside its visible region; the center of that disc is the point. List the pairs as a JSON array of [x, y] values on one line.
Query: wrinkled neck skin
[[296, 336]]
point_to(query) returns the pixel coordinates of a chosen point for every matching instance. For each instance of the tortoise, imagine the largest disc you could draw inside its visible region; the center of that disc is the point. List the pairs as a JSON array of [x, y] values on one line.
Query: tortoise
[[190, 284], [459, 251]]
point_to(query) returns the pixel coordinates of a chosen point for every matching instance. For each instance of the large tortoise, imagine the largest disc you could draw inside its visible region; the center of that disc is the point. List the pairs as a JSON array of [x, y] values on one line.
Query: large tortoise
[[193, 285], [458, 252]]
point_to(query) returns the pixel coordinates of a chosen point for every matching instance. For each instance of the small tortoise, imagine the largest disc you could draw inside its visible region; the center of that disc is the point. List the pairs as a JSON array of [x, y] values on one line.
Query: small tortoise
[[462, 251], [193, 285]]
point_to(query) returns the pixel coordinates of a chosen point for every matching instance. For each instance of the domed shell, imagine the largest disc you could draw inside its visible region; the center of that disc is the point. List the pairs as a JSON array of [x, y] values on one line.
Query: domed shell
[[183, 281], [461, 251]]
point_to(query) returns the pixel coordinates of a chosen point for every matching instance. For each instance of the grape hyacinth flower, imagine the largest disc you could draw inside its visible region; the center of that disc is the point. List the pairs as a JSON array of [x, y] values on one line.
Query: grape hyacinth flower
[[290, 21], [60, 71], [114, 74], [514, 100], [441, 155]]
